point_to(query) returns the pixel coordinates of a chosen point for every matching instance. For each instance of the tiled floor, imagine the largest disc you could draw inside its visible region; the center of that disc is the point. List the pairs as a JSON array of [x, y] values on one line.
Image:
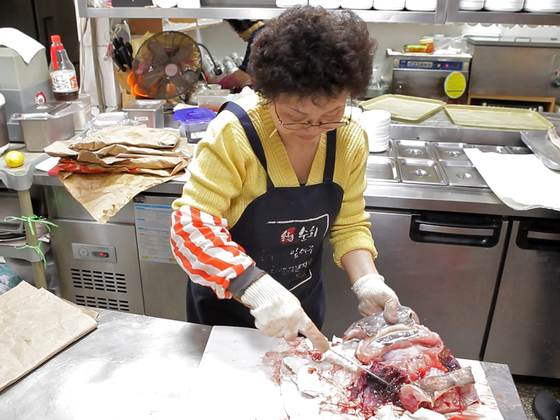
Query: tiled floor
[[528, 387]]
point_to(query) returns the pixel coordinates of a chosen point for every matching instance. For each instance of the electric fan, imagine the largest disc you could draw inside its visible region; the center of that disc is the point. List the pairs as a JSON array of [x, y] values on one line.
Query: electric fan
[[167, 65]]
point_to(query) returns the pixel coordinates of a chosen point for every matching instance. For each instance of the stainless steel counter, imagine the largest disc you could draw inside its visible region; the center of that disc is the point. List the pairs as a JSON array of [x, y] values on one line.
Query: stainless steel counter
[[130, 367], [392, 196], [418, 197], [139, 367]]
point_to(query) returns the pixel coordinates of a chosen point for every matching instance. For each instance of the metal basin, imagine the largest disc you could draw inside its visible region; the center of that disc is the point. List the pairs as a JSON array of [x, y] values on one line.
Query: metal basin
[[463, 174], [421, 171], [450, 152], [382, 169], [413, 149]]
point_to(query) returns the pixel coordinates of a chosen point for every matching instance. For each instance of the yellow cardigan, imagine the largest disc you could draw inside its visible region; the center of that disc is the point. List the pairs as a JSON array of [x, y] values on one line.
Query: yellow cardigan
[[226, 175]]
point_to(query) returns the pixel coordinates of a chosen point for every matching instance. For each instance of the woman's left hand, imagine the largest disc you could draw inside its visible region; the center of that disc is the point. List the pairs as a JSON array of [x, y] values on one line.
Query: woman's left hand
[[375, 296]]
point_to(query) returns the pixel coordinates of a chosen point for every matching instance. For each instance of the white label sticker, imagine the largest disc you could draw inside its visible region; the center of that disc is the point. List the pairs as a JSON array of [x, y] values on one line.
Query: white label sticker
[[153, 232], [64, 81]]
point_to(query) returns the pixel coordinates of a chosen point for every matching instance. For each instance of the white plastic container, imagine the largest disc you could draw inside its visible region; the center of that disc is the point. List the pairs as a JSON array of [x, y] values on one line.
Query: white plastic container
[[212, 99], [83, 116]]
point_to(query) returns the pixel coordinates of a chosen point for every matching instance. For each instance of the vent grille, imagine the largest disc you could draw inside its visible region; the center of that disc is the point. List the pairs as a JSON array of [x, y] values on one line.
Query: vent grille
[[103, 303], [98, 280]]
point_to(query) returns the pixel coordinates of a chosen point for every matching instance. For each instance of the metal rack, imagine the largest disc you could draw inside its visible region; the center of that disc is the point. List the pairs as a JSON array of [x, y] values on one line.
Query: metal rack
[[256, 11], [447, 11]]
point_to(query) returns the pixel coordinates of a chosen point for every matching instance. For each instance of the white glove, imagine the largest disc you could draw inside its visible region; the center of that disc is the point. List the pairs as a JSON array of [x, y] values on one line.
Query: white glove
[[375, 296], [278, 312]]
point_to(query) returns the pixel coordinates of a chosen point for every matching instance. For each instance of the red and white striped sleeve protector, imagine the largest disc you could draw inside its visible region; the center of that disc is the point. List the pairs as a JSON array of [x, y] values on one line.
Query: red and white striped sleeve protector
[[203, 247]]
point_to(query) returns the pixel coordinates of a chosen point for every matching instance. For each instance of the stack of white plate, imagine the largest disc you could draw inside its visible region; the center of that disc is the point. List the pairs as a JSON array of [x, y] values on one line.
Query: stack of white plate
[[421, 5], [327, 4], [471, 4], [542, 6], [286, 4], [388, 4], [377, 124], [356, 4], [503, 5]]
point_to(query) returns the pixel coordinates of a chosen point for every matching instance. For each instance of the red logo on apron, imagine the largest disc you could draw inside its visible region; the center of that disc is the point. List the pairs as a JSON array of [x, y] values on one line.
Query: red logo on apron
[[287, 236]]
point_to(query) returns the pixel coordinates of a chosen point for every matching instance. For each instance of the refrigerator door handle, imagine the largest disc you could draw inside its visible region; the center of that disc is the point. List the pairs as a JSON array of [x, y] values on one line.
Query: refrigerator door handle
[[539, 234], [456, 229]]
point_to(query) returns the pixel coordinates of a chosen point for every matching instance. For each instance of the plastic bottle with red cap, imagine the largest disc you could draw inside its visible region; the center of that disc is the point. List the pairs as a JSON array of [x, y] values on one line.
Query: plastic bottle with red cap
[[62, 72]]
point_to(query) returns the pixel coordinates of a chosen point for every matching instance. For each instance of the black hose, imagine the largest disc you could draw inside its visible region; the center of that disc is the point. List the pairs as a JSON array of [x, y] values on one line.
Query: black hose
[[217, 70]]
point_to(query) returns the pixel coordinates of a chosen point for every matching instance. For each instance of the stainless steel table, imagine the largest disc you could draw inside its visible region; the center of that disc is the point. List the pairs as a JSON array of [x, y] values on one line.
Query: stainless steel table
[[130, 367], [139, 367]]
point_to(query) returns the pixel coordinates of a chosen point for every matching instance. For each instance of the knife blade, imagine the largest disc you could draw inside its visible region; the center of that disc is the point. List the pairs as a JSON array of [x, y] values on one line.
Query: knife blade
[[356, 364]]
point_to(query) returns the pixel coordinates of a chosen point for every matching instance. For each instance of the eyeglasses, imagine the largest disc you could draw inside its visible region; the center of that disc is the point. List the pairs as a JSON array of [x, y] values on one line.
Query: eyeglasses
[[328, 126]]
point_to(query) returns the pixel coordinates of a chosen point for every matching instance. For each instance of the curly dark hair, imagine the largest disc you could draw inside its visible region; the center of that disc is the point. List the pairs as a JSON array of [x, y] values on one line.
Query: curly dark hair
[[240, 26], [312, 53]]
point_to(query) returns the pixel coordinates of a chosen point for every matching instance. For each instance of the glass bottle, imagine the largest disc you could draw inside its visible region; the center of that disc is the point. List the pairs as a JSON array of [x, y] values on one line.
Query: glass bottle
[[62, 73]]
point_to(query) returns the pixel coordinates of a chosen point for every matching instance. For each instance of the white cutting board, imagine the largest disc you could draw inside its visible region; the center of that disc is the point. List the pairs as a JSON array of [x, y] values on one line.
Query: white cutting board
[[232, 382]]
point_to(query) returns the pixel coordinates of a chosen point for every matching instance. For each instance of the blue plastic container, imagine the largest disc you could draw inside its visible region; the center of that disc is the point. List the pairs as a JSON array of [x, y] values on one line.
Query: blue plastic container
[[193, 122]]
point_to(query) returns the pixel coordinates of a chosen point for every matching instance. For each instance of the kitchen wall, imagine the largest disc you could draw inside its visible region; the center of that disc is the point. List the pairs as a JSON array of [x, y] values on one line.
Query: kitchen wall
[[222, 41]]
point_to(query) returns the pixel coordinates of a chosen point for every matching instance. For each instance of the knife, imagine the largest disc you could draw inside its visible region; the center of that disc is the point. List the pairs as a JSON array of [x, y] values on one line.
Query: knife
[[356, 364], [117, 61]]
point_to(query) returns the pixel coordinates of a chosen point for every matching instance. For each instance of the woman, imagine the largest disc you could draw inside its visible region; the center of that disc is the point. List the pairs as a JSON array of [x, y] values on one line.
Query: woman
[[274, 175], [247, 30]]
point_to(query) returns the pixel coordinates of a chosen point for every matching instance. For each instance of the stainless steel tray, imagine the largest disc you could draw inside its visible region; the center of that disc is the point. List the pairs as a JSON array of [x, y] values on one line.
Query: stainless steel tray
[[381, 168], [541, 146], [403, 107], [496, 118], [421, 171], [450, 152], [413, 149], [461, 175]]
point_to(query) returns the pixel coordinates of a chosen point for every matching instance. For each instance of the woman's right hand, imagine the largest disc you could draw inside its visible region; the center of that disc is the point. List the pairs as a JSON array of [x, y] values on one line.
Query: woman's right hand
[[278, 313]]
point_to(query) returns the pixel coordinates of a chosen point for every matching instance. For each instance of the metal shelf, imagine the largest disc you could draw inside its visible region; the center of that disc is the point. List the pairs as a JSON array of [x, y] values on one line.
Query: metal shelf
[[156, 12], [245, 13], [447, 12], [253, 12], [484, 16], [28, 254], [404, 16], [522, 18]]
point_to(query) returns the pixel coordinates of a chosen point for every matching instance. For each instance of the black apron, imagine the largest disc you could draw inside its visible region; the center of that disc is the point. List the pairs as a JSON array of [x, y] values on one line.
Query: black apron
[[283, 231]]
